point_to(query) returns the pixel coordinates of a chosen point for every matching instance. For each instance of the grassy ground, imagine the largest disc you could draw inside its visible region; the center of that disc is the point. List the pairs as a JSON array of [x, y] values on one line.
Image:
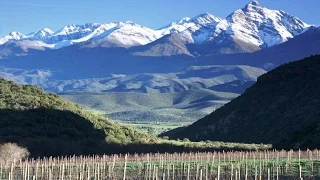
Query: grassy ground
[[155, 127], [96, 112]]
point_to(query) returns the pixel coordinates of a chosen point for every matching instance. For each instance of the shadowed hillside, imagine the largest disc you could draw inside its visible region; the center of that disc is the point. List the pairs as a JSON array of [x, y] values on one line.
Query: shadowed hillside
[[49, 125], [282, 108]]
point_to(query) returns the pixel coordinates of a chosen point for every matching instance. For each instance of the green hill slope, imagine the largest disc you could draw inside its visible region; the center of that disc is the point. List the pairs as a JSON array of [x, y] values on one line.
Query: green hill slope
[[186, 106], [282, 108], [48, 125]]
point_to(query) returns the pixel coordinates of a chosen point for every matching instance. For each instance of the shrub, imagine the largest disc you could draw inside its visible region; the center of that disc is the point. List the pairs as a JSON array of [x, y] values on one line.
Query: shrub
[[165, 137], [186, 140], [11, 151]]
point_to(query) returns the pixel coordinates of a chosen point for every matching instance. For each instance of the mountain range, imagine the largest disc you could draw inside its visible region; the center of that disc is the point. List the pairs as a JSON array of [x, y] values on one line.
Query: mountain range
[[248, 29], [203, 53]]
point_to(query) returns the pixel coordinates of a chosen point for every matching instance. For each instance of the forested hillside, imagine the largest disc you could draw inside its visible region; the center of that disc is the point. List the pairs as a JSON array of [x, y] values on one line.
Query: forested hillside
[[48, 125], [282, 108]]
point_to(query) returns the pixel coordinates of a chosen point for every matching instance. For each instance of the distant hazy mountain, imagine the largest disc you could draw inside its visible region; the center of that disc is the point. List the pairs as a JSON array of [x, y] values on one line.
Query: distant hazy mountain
[[282, 108], [195, 77]]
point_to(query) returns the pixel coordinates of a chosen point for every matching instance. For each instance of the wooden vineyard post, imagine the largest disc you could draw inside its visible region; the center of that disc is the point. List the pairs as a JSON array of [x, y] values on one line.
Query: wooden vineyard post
[[206, 172], [153, 172], [256, 173], [25, 172], [277, 173], [260, 173], [300, 172], [94, 170], [36, 175], [114, 162], [70, 169], [312, 165], [125, 167], [239, 172], [98, 170], [149, 170], [62, 171], [11, 170], [197, 172], [200, 174], [231, 175], [150, 167], [168, 171], [236, 175], [42, 170], [88, 172], [246, 173], [173, 172], [28, 171], [188, 172], [182, 169], [144, 171], [218, 172], [50, 174], [212, 163]]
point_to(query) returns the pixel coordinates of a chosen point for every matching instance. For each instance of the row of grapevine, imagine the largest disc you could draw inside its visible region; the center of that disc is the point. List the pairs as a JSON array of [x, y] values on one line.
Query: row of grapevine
[[212, 165]]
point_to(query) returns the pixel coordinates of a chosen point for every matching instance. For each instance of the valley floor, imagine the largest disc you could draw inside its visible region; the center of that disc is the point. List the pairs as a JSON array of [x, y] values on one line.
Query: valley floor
[[154, 127], [154, 113]]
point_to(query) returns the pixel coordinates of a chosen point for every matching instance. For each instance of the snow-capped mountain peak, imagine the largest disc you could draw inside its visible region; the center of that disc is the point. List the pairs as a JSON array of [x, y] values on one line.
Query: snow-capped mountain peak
[[252, 6], [77, 29], [191, 24], [16, 35], [129, 23], [42, 33], [263, 27], [253, 3], [205, 18], [184, 20], [12, 36]]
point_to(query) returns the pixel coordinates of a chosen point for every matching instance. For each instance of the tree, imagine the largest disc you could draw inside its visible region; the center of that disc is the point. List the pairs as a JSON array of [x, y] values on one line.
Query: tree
[[11, 151]]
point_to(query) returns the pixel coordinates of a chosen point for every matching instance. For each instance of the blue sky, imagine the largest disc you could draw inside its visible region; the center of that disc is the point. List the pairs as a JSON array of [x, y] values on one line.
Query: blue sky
[[32, 15]]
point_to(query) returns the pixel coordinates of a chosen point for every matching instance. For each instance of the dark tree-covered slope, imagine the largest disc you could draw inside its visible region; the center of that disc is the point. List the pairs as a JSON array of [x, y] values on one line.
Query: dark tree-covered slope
[[282, 108]]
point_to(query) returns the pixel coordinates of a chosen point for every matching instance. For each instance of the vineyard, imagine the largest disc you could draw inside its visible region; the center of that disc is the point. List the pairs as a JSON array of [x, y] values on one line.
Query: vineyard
[[213, 165]]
